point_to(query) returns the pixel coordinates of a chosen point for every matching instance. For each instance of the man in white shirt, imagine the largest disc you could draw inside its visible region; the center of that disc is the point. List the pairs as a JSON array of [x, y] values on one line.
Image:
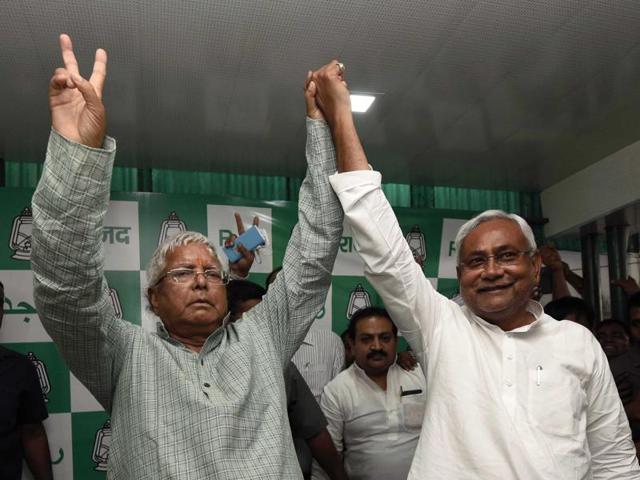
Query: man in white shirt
[[513, 393], [374, 407], [320, 358]]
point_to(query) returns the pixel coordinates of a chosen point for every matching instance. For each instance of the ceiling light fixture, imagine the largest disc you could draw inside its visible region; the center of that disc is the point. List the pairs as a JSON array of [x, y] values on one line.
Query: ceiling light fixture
[[361, 103]]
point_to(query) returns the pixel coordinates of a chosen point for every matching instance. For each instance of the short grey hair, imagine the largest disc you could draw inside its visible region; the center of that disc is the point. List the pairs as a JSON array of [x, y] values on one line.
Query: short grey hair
[[487, 215], [158, 261]]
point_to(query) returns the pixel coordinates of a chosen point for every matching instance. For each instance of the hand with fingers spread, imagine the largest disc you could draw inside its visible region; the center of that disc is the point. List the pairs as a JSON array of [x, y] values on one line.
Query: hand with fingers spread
[[77, 111], [241, 268], [331, 93]]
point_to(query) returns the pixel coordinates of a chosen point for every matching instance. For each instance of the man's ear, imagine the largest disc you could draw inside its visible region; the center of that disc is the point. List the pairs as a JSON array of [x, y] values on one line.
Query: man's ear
[[153, 299], [537, 266]]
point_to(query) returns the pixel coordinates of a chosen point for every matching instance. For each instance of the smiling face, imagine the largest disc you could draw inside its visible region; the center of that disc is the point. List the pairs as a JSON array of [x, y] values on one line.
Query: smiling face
[[613, 338], [498, 294], [193, 309]]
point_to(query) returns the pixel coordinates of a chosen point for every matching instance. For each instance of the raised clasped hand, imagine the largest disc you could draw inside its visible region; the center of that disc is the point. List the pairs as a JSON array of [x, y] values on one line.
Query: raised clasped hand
[[328, 89], [77, 111], [313, 110]]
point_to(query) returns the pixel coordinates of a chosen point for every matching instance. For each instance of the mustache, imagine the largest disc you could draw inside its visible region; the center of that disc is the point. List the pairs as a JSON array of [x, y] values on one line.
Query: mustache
[[376, 353]]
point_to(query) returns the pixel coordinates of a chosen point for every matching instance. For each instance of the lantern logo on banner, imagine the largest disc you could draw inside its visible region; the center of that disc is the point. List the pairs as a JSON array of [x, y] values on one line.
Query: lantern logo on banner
[[20, 238], [416, 241], [100, 455], [358, 299], [171, 227], [43, 377], [115, 301]]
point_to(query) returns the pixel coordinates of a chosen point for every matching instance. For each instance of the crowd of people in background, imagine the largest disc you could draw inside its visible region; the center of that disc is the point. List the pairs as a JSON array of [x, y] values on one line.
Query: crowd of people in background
[[619, 337]]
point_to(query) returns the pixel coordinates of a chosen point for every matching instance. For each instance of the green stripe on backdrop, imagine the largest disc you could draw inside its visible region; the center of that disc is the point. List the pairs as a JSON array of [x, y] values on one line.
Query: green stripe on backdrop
[[523, 203], [526, 204], [255, 187], [22, 174], [26, 175]]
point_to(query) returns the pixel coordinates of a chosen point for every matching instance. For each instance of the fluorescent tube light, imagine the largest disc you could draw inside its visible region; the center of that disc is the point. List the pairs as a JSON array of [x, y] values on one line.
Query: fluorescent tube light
[[361, 103]]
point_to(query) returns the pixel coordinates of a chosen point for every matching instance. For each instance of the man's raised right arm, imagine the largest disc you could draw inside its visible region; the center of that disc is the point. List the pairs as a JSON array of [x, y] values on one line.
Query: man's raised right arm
[[69, 206], [389, 263]]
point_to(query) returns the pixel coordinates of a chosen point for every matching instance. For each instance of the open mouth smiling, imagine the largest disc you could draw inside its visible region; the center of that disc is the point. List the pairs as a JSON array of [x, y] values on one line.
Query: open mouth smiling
[[494, 288]]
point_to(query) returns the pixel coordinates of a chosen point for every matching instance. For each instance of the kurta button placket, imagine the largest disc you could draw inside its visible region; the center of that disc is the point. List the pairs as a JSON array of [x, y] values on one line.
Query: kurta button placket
[[509, 392]]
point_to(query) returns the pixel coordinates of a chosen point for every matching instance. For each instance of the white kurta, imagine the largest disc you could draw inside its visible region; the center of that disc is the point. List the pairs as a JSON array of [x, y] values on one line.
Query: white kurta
[[319, 359], [538, 402], [375, 430]]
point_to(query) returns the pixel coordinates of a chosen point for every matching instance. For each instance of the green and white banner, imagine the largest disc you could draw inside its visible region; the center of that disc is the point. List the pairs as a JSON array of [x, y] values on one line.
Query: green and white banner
[[78, 429]]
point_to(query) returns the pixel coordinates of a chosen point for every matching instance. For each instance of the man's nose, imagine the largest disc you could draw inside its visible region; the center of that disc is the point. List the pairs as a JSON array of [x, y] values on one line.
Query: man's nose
[[492, 268], [200, 280]]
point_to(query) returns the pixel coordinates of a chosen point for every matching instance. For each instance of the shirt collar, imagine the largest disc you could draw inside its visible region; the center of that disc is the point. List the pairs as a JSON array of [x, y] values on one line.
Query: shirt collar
[[212, 341], [161, 330], [533, 307], [308, 340], [359, 371]]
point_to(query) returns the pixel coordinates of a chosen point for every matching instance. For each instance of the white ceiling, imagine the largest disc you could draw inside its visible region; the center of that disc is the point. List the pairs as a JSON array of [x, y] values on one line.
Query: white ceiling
[[513, 94]]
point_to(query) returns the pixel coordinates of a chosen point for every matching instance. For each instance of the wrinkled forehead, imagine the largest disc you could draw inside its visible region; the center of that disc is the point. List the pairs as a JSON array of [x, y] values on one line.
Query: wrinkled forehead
[[192, 253]]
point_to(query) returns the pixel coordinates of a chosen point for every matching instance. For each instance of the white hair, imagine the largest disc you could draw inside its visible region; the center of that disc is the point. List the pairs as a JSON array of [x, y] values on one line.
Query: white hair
[[158, 260], [487, 215]]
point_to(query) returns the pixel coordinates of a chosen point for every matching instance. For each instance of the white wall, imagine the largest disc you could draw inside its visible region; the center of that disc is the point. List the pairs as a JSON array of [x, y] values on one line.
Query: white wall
[[593, 192]]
